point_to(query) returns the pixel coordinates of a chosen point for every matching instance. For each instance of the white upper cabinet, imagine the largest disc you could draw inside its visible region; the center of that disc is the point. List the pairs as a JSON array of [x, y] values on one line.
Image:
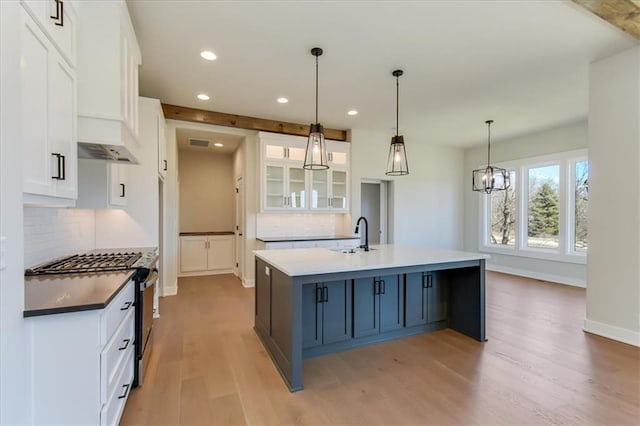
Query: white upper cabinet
[[58, 20], [102, 184], [48, 119], [286, 186], [162, 146], [108, 58]]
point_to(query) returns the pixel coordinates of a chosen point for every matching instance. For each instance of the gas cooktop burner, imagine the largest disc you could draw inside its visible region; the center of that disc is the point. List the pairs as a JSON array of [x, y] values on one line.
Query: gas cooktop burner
[[82, 263]]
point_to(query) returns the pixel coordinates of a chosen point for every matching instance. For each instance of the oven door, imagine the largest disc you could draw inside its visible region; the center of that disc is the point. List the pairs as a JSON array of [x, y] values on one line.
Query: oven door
[[146, 289]]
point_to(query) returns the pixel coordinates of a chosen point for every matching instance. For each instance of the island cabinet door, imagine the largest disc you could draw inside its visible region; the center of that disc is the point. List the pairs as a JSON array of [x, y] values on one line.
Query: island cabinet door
[[436, 297], [391, 302], [366, 319], [336, 311], [311, 315], [416, 299], [326, 313]]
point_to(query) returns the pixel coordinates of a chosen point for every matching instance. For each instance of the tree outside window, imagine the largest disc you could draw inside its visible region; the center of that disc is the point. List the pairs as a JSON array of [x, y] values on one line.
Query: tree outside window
[[503, 215], [543, 212], [581, 191]]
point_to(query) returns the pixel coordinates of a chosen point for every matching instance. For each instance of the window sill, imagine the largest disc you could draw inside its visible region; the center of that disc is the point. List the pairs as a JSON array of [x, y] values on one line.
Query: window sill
[[541, 254]]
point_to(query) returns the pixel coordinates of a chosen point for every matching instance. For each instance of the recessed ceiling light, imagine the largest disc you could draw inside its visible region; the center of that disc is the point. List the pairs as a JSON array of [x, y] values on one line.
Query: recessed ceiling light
[[203, 97], [218, 144], [208, 55], [283, 100], [353, 112]]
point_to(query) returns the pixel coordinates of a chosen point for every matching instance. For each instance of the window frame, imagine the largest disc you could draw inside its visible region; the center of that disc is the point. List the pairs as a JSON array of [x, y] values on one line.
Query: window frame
[[566, 210]]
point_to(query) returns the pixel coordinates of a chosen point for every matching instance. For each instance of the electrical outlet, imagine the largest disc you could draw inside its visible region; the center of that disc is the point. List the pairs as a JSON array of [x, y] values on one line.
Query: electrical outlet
[[3, 253]]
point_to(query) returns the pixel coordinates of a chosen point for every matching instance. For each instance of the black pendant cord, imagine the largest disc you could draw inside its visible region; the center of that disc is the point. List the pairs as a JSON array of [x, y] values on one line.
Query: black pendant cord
[[397, 104], [316, 89], [489, 143]]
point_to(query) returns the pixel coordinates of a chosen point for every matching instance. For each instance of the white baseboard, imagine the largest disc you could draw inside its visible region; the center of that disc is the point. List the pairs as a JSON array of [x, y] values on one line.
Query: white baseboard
[[248, 283], [576, 282], [612, 332], [203, 273]]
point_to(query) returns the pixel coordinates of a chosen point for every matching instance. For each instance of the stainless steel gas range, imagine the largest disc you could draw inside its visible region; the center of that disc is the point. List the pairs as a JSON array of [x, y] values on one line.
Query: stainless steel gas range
[[144, 261]]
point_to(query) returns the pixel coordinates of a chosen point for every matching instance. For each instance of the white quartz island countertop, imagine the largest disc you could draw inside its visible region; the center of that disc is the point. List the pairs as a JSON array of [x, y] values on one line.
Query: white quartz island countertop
[[311, 261]]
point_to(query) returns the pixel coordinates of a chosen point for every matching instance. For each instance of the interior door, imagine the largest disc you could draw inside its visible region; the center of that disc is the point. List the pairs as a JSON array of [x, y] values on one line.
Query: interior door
[[239, 232], [370, 208]]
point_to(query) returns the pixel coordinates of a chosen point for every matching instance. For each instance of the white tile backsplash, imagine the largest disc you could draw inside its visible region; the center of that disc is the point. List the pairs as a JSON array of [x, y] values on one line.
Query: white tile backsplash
[[300, 225], [53, 232]]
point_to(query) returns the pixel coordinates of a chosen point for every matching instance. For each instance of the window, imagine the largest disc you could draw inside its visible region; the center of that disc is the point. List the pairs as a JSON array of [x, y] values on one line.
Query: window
[[544, 212]]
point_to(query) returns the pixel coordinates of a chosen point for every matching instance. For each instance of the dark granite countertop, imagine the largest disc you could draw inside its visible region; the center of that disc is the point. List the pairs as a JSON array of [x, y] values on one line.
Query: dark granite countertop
[[55, 294], [194, 234], [305, 238]]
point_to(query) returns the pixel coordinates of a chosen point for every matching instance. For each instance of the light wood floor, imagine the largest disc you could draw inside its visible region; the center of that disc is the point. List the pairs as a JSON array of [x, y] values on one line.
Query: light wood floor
[[538, 367]]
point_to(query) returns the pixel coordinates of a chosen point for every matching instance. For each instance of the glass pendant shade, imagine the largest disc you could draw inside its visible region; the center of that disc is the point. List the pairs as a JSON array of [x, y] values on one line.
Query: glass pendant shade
[[315, 157], [490, 178], [397, 162]]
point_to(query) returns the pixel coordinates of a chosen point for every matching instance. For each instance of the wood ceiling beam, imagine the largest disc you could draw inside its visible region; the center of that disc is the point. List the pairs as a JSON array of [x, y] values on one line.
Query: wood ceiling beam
[[175, 112], [624, 14]]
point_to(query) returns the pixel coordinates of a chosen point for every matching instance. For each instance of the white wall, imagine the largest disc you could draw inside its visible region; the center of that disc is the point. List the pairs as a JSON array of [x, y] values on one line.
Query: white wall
[[14, 373], [137, 224], [207, 202], [427, 203], [613, 294], [310, 224], [566, 138], [53, 232]]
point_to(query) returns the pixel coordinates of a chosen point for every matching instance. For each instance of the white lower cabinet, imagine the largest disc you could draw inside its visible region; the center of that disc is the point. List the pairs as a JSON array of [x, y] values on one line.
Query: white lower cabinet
[[206, 254], [81, 363]]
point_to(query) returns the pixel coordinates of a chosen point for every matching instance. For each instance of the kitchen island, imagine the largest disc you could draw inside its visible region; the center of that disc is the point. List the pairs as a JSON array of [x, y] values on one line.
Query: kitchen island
[[311, 302]]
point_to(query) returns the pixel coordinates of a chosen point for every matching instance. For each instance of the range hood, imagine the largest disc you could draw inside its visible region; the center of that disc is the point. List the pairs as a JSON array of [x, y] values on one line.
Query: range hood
[[107, 139]]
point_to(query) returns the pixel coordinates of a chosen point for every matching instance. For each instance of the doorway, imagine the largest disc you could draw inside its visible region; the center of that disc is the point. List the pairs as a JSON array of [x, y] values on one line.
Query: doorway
[[239, 228], [373, 206]]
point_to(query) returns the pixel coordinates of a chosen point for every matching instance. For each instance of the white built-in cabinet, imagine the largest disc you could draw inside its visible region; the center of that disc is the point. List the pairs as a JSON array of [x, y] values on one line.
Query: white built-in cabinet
[[58, 19], [108, 60], [286, 186], [81, 363], [103, 185], [206, 254], [163, 166], [48, 107]]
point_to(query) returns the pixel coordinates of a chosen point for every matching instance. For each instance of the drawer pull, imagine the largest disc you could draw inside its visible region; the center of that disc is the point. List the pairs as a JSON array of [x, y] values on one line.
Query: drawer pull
[[126, 344], [126, 391], [126, 306]]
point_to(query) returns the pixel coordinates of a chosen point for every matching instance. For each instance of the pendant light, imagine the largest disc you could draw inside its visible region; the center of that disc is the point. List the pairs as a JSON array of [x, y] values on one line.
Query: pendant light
[[315, 157], [397, 162], [490, 178]]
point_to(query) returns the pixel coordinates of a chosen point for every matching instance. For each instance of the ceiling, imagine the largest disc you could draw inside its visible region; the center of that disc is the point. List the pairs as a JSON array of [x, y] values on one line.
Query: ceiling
[[522, 63]]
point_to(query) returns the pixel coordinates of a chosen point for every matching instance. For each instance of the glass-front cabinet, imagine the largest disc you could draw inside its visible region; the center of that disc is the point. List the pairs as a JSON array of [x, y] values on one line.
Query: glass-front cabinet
[[286, 186]]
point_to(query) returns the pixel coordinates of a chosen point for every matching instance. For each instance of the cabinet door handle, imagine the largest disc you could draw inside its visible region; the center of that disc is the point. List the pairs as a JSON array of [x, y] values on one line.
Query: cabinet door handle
[[126, 344], [59, 13], [58, 175], [126, 306], [126, 391], [122, 189], [384, 287], [325, 294], [319, 294], [165, 165], [425, 278], [375, 287]]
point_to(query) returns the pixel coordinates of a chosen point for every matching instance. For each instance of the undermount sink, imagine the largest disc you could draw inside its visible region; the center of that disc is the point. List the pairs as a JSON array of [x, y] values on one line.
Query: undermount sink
[[350, 251]]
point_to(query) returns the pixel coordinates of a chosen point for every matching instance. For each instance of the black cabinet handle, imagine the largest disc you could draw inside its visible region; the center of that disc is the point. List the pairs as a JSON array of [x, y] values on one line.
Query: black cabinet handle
[[165, 165], [318, 294], [126, 391], [61, 162], [126, 344], [384, 287], [425, 279], [59, 13], [126, 306], [375, 287], [325, 294], [122, 190]]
